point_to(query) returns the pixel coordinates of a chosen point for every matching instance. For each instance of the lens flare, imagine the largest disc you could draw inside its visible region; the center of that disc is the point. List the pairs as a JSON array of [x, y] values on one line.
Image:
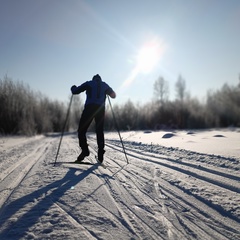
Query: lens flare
[[146, 59], [148, 56]]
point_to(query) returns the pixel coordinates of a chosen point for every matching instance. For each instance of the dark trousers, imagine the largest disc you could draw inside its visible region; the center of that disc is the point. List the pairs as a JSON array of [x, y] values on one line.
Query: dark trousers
[[90, 112]]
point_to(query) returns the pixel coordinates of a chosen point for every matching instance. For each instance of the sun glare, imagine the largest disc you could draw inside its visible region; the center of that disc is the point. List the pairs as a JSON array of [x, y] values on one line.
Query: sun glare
[[149, 56], [146, 59]]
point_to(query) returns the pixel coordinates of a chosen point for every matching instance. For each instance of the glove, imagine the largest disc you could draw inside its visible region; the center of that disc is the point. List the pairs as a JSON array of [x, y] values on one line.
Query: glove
[[73, 88]]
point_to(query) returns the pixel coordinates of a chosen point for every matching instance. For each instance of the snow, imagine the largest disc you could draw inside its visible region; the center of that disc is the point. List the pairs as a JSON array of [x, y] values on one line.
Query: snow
[[177, 185]]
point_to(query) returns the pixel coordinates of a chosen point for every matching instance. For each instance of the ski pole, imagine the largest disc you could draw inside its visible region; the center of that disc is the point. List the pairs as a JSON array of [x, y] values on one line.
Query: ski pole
[[68, 111], [115, 121]]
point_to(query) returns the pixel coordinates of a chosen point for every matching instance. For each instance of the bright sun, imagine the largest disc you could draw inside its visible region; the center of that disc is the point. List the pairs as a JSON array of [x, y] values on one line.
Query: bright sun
[[146, 59], [148, 56]]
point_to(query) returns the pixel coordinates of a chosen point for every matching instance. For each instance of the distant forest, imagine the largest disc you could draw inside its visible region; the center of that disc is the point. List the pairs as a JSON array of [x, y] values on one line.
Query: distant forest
[[23, 111]]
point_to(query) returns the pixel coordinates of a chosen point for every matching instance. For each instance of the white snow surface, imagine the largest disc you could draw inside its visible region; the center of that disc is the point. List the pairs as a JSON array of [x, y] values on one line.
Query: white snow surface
[[177, 185]]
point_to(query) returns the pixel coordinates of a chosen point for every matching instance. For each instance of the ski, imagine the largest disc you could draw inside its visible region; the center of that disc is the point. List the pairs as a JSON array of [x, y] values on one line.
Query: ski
[[74, 162], [82, 163]]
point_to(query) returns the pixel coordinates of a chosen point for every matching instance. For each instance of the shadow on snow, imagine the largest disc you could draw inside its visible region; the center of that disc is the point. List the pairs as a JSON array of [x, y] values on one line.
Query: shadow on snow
[[31, 217]]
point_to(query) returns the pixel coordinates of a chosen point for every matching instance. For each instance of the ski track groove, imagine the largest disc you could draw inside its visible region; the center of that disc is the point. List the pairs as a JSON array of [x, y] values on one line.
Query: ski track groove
[[126, 221], [180, 208], [217, 177], [117, 190], [73, 220], [202, 202], [126, 204], [172, 229], [222, 183], [19, 171]]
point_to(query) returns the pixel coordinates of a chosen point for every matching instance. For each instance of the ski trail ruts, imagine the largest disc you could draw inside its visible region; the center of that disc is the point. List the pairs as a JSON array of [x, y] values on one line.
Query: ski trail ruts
[[74, 221], [189, 215], [185, 157], [145, 220], [159, 208], [201, 219], [168, 218], [193, 170], [223, 184], [163, 195], [227, 187], [213, 184], [220, 174], [218, 177], [13, 155], [69, 149], [40, 160], [124, 214], [121, 219], [180, 210], [21, 155], [103, 215], [107, 209], [126, 208], [15, 174]]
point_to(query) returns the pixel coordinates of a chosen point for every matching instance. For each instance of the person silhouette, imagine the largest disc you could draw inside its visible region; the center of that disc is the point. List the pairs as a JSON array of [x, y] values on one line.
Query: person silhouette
[[94, 108]]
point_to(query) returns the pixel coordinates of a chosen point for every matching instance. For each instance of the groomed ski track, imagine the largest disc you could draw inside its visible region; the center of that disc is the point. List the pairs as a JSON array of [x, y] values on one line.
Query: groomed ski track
[[164, 193]]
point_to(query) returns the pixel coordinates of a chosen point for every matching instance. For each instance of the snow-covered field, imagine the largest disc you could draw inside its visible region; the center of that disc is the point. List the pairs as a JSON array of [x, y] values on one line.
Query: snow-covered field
[[177, 185]]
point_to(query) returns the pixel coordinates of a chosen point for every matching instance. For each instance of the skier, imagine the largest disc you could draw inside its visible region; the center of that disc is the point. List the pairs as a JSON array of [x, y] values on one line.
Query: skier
[[94, 108]]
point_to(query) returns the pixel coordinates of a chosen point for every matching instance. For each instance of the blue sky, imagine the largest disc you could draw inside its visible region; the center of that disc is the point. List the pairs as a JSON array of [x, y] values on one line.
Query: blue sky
[[52, 44]]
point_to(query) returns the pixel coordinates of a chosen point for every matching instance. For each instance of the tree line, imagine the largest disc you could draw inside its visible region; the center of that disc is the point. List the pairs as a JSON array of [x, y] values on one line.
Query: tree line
[[221, 109], [23, 111]]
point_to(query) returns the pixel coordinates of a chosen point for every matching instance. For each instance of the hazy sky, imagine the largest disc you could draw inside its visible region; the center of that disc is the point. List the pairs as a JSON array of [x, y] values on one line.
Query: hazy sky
[[53, 44]]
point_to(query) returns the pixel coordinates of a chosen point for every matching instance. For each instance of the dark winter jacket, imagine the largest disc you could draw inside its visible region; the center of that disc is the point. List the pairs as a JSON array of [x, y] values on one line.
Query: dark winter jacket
[[96, 90]]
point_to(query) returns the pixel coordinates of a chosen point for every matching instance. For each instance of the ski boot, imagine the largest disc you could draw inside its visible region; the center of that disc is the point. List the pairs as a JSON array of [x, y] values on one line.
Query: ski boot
[[84, 153], [100, 155]]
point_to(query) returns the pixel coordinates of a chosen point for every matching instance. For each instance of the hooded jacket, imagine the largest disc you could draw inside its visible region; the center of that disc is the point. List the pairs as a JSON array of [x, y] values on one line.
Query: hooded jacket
[[96, 90]]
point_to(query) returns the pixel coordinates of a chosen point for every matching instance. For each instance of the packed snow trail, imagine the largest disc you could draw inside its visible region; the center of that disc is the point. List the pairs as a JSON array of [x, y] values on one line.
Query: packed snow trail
[[164, 193]]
